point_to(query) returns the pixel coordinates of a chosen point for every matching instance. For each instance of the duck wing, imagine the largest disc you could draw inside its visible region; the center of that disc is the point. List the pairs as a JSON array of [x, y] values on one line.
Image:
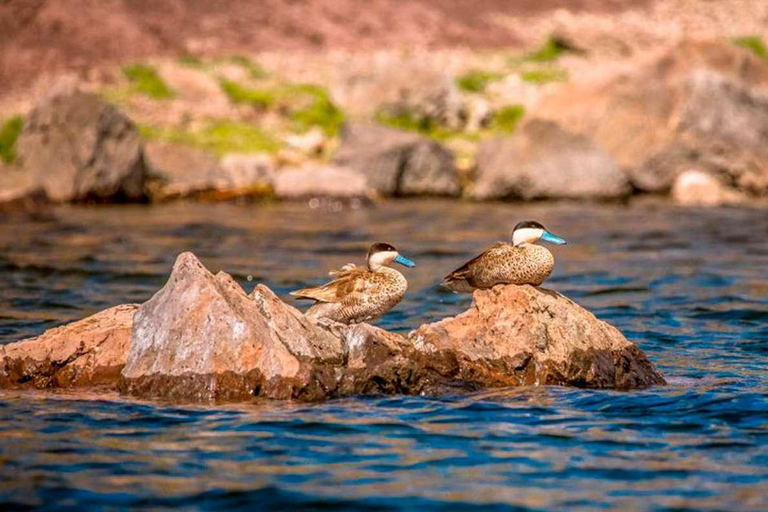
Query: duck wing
[[349, 280], [467, 273]]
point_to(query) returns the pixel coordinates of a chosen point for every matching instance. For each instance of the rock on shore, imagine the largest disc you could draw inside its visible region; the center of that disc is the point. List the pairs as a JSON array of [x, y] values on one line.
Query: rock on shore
[[201, 338]]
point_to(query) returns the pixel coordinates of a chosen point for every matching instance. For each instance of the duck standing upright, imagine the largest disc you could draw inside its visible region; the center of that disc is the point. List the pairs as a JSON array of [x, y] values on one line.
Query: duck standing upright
[[359, 294], [521, 262]]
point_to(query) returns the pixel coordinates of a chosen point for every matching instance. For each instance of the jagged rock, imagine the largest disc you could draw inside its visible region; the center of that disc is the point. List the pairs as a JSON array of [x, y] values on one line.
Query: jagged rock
[[701, 104], [544, 161], [338, 182], [78, 148], [523, 335], [89, 352], [696, 188], [398, 163]]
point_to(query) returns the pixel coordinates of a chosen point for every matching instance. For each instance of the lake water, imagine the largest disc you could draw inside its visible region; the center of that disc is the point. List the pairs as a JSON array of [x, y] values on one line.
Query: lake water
[[689, 286]]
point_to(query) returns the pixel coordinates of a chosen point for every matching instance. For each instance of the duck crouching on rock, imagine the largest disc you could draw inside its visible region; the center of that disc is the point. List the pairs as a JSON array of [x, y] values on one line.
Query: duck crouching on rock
[[360, 294], [521, 262]]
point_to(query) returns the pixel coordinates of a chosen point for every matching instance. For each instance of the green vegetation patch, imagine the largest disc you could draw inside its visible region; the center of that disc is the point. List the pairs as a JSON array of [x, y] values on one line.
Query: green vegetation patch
[[505, 120], [753, 43], [9, 133], [551, 50], [409, 122], [546, 75], [220, 137], [191, 61], [255, 70], [259, 98], [146, 80], [477, 80]]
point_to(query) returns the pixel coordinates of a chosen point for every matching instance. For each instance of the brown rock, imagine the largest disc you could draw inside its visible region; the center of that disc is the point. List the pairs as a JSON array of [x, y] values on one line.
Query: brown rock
[[522, 335], [701, 104], [545, 161], [89, 352], [696, 188], [339, 182], [398, 163], [78, 148]]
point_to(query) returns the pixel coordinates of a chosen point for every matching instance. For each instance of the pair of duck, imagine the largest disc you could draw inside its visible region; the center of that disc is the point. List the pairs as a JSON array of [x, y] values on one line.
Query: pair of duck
[[360, 294]]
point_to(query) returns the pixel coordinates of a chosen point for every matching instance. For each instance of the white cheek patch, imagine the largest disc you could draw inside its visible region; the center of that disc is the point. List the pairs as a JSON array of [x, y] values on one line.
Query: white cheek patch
[[526, 235], [381, 259]]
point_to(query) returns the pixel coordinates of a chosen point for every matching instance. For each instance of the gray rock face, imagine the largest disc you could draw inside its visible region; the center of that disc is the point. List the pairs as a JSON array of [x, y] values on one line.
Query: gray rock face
[[78, 148], [398, 163], [701, 105], [544, 161]]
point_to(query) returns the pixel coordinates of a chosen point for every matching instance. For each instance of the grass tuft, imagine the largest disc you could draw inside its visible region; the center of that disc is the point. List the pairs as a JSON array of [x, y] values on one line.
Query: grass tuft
[[543, 76], [320, 112], [505, 120], [260, 98], [477, 80], [753, 43], [9, 133], [551, 50], [191, 61], [220, 137], [255, 70], [146, 80]]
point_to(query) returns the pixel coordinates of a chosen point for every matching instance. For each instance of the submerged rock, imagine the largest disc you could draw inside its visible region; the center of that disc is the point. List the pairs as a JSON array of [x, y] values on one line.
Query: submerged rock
[[89, 352], [398, 163], [201, 338], [78, 148]]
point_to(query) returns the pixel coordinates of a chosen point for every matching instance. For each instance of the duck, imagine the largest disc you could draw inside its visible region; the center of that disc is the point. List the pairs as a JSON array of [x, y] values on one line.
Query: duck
[[360, 294], [520, 262]]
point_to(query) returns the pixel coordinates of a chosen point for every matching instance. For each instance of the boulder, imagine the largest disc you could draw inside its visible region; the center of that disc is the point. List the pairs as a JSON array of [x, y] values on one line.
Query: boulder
[[89, 352], [307, 182], [544, 161], [78, 148], [398, 163], [18, 191], [700, 104], [524, 335], [696, 188]]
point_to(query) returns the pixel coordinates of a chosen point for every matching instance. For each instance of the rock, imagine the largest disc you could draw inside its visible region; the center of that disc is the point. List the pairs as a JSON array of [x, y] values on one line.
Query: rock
[[202, 338], [478, 114], [90, 352], [522, 335], [544, 161], [701, 104], [186, 172], [18, 191], [398, 163], [78, 148], [696, 188], [308, 182], [310, 143]]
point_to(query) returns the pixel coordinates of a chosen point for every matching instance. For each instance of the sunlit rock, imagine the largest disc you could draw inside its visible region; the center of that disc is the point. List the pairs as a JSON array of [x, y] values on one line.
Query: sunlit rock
[[308, 182], [89, 352], [696, 188]]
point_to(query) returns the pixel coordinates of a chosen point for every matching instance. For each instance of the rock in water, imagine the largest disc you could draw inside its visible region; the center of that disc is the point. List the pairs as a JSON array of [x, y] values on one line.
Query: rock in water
[[78, 148], [89, 352], [523, 335], [398, 163]]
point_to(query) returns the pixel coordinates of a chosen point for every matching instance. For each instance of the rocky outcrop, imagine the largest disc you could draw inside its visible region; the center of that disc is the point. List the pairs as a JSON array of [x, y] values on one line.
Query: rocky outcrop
[[701, 105], [90, 352], [78, 148], [398, 163], [543, 161], [696, 188], [523, 335], [202, 338], [307, 182]]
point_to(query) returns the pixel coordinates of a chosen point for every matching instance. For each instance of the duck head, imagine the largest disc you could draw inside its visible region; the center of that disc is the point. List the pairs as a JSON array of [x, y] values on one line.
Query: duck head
[[530, 231], [383, 255]]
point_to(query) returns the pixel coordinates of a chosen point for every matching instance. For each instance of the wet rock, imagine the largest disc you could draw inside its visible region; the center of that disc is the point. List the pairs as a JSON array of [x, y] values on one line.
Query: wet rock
[[308, 182], [202, 338], [696, 188], [78, 148], [544, 161], [701, 104], [90, 352], [523, 335], [398, 163]]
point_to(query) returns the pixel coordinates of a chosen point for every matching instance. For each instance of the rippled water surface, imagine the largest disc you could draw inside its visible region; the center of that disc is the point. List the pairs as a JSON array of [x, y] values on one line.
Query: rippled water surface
[[689, 286]]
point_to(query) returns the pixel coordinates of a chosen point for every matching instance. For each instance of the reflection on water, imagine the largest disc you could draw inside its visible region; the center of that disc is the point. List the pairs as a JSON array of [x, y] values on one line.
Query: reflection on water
[[690, 287]]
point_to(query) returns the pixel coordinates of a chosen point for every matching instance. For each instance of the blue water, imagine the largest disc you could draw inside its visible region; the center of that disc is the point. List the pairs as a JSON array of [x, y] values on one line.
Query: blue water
[[689, 286]]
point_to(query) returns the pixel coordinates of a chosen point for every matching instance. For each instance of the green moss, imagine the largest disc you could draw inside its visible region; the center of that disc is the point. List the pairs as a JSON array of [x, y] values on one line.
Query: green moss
[[409, 122], [542, 76], [476, 80], [260, 98], [753, 43], [219, 137], [255, 70], [551, 50], [191, 61], [146, 80], [320, 111], [9, 132], [505, 120]]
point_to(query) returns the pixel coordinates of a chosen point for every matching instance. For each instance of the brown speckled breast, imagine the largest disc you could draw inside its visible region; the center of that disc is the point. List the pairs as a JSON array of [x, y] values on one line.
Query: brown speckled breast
[[508, 264]]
